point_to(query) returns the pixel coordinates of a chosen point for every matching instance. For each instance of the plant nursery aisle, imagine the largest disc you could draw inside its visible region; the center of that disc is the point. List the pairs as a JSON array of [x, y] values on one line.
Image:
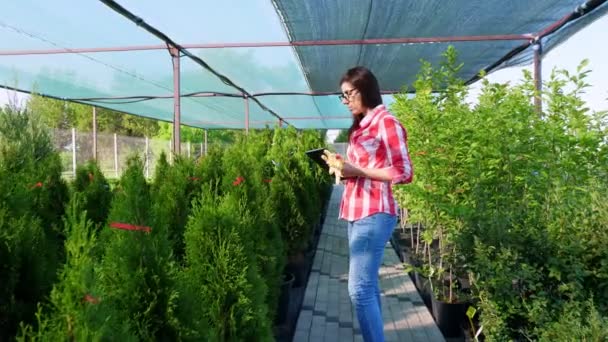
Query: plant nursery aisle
[[327, 314]]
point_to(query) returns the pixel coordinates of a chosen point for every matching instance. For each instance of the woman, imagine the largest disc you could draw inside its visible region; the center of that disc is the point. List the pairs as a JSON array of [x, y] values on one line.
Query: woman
[[377, 158]]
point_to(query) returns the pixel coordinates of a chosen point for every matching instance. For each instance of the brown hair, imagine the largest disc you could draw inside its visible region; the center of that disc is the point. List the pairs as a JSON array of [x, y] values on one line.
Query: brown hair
[[366, 83]]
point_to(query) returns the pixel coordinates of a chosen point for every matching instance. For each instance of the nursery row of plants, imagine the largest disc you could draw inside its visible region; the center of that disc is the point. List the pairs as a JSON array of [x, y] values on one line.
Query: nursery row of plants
[[507, 219], [196, 253]]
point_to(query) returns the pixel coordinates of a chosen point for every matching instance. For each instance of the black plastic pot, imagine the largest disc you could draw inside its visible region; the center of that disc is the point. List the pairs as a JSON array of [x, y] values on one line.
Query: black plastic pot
[[449, 317], [299, 267], [423, 284], [283, 309]]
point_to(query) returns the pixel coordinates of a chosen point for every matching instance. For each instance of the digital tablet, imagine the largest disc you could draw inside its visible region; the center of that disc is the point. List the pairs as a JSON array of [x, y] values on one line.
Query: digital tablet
[[315, 155]]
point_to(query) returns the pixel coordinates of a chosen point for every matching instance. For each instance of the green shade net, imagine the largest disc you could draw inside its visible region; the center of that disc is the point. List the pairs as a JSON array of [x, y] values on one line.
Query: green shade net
[[141, 82]]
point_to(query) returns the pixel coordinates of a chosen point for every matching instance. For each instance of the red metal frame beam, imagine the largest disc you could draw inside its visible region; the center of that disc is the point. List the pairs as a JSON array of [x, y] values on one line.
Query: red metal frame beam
[[383, 41]]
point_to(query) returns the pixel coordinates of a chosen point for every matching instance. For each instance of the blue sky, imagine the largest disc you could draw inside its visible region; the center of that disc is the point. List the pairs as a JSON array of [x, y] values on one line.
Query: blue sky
[[587, 43]]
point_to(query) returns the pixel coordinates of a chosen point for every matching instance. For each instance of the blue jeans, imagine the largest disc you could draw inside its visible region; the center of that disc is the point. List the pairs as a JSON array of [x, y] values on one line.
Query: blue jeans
[[367, 238]]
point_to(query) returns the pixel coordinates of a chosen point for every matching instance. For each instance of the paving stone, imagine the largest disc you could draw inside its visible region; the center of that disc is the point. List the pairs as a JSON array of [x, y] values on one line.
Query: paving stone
[[332, 332], [301, 336], [304, 321], [346, 334]]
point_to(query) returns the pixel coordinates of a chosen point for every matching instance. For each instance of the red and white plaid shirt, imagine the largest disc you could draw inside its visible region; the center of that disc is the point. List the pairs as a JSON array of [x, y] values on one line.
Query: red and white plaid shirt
[[380, 142]]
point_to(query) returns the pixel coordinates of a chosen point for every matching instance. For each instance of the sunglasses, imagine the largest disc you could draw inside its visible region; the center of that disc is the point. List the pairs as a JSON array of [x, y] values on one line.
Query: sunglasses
[[347, 95]]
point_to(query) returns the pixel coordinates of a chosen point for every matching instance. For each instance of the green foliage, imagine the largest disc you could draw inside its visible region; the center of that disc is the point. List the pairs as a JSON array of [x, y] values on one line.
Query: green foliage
[[65, 115], [513, 195], [27, 153], [209, 169], [32, 196], [196, 135], [576, 322], [251, 187], [224, 291], [172, 193], [27, 263], [95, 189], [137, 270], [342, 136], [292, 200], [76, 310]]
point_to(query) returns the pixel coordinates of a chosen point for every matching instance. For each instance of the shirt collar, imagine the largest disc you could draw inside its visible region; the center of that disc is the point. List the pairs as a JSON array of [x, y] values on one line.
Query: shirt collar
[[367, 120]]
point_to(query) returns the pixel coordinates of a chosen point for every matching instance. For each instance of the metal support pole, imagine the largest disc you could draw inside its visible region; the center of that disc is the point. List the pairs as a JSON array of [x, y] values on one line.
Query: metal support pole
[[246, 113], [74, 151], [147, 158], [538, 74], [115, 155], [280, 123], [175, 55], [94, 133], [188, 146], [206, 147], [202, 151]]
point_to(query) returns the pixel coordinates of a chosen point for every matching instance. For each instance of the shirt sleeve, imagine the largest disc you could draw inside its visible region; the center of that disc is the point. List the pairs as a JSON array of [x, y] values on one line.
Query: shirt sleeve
[[394, 137]]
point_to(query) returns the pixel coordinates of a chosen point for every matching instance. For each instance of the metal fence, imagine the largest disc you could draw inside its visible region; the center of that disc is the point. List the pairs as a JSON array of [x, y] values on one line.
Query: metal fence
[[339, 148], [113, 151]]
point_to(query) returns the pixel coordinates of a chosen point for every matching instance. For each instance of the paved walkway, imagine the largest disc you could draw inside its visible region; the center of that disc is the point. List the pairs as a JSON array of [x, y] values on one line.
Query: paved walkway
[[327, 314]]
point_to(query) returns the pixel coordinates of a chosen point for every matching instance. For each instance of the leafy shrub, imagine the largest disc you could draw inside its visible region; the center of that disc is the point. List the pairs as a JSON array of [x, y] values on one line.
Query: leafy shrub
[[513, 195]]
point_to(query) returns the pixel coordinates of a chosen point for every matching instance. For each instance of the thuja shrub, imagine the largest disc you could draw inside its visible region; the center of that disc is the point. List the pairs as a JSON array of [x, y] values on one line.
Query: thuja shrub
[[172, 190], [243, 166], [224, 294], [314, 140], [291, 196], [209, 168], [95, 190], [32, 196], [27, 267], [28, 154], [136, 271], [76, 310], [283, 202]]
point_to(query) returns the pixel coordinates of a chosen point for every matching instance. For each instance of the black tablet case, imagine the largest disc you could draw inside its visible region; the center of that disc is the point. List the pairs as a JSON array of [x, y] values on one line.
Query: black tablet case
[[315, 155]]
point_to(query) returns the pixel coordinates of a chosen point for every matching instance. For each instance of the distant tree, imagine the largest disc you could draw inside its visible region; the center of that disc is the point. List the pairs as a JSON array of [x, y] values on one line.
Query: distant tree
[[196, 135], [64, 115], [342, 137]]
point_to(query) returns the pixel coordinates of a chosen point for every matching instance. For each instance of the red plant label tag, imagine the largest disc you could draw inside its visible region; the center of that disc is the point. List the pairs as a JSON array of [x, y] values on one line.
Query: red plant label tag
[[90, 299], [127, 226]]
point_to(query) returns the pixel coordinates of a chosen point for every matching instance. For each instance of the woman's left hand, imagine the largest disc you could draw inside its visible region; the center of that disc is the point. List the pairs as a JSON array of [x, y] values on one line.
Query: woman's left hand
[[350, 170]]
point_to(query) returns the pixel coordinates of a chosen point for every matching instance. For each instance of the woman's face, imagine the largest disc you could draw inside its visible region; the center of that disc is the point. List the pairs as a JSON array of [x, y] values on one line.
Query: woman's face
[[351, 97]]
